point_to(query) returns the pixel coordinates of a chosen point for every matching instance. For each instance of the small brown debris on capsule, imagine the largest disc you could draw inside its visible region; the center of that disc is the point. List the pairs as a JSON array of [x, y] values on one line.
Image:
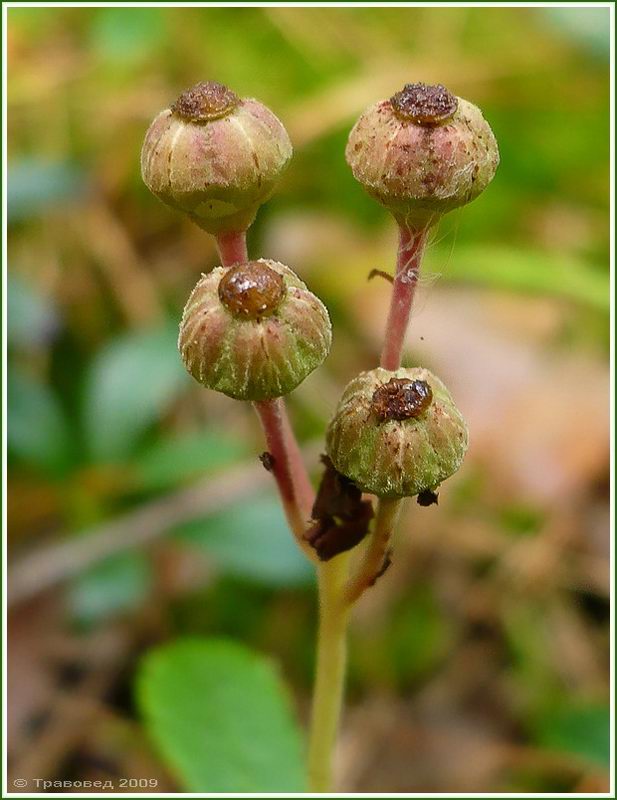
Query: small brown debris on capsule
[[401, 399], [341, 518], [268, 461], [251, 290], [424, 104], [205, 101], [428, 498]]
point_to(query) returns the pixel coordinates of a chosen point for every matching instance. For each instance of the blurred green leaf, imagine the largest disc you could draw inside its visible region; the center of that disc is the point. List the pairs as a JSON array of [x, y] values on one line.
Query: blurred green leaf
[[129, 385], [521, 519], [117, 585], [410, 643], [549, 159], [419, 634], [590, 27], [251, 541], [169, 462], [528, 271], [582, 731], [127, 34], [220, 717], [38, 431], [229, 607], [527, 631], [35, 185], [31, 318]]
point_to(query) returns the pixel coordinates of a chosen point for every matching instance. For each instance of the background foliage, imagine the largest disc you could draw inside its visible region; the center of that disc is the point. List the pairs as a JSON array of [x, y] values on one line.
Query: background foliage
[[138, 513]]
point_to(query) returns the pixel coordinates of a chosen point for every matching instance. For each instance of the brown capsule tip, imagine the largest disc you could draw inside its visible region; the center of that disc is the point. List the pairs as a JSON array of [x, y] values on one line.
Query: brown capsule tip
[[401, 399], [205, 101], [423, 104], [251, 290]]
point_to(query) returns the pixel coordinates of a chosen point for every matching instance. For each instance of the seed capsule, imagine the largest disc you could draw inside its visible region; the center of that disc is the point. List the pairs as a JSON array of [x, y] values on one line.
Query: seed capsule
[[397, 434], [422, 153], [215, 157], [253, 331]]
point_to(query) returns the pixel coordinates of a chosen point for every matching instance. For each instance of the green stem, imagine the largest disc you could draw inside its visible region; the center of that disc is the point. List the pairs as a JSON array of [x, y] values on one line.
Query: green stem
[[330, 671], [376, 557], [336, 599]]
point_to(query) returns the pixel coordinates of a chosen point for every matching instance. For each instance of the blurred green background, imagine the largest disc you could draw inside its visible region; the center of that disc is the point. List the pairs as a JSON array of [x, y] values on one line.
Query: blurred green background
[[137, 509]]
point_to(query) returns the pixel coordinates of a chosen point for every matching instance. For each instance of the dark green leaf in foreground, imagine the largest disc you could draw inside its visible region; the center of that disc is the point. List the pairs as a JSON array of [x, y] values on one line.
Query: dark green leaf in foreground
[[220, 717]]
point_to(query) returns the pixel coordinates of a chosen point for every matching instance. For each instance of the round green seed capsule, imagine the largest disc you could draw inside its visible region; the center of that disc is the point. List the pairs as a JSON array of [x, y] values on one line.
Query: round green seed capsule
[[422, 153], [253, 331], [215, 157], [397, 434]]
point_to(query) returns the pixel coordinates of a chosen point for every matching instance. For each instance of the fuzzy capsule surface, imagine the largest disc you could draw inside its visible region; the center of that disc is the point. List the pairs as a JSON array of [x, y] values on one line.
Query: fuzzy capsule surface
[[397, 434], [422, 153], [215, 157], [253, 331]]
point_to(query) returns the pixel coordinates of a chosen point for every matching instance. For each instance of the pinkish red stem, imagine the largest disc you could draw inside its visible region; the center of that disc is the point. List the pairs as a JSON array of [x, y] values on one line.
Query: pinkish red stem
[[410, 250], [288, 469], [232, 248], [272, 416]]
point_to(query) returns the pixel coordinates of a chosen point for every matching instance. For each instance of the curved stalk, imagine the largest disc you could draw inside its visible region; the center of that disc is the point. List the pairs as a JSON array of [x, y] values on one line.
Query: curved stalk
[[376, 558], [281, 443], [305, 493]]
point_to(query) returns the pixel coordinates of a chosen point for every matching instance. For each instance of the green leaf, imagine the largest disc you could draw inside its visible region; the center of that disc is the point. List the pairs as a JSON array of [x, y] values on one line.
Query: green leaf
[[251, 541], [419, 634], [173, 461], [220, 717], [32, 318], [127, 34], [528, 271], [35, 185], [582, 731], [410, 643], [38, 431], [116, 586], [590, 27], [521, 518], [130, 384]]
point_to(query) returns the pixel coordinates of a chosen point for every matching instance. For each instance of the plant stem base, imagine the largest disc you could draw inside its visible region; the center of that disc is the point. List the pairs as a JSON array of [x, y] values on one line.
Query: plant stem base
[[330, 671]]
